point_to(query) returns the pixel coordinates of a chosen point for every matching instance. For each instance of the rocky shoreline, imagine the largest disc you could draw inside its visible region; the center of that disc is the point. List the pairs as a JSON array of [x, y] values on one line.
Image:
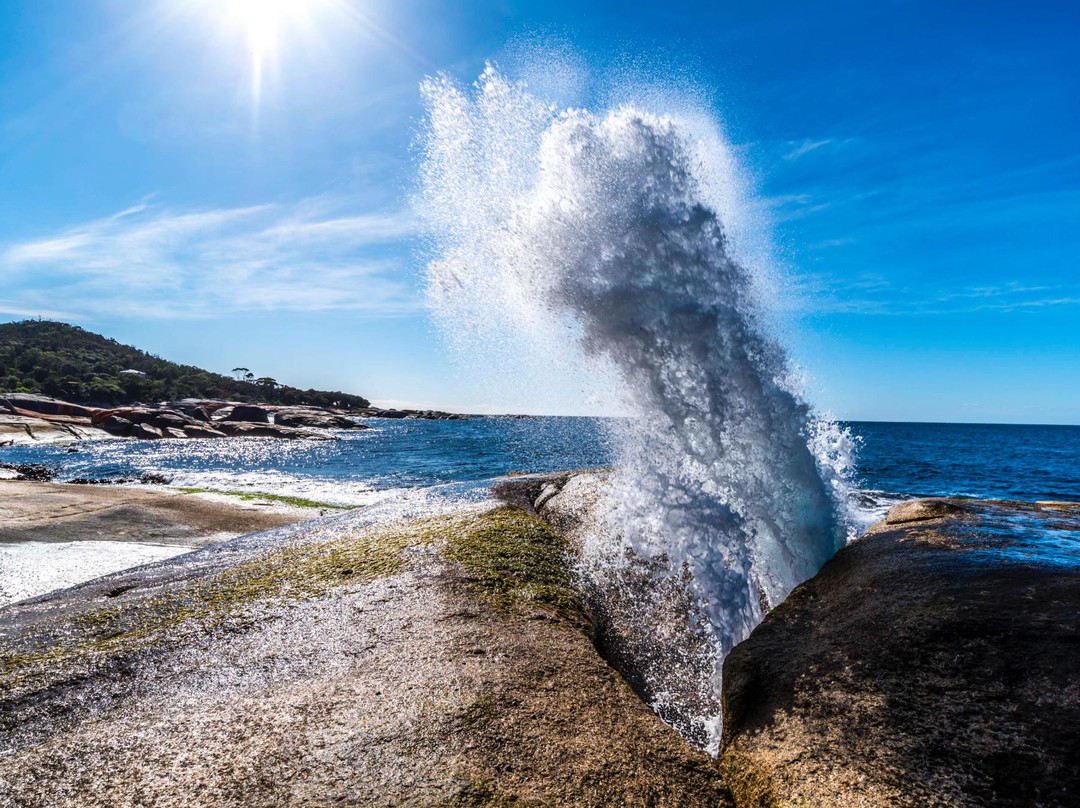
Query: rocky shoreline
[[454, 660], [33, 419]]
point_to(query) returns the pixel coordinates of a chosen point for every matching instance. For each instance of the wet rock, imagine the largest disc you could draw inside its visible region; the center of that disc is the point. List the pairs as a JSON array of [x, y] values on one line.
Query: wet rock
[[452, 666], [649, 621], [919, 509], [35, 472], [929, 663]]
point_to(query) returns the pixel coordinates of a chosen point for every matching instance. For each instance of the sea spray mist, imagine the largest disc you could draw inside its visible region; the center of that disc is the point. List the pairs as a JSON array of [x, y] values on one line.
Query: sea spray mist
[[596, 229]]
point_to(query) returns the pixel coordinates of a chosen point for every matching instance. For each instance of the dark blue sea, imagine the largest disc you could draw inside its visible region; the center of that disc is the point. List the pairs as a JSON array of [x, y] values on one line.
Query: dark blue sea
[[895, 460]]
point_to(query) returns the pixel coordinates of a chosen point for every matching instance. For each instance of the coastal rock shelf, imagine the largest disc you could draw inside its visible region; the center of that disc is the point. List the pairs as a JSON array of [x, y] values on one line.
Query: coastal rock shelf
[[30, 419], [451, 657], [440, 661], [932, 662]]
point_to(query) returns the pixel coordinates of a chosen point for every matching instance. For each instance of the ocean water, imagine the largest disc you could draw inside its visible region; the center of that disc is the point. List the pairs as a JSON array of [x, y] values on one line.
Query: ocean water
[[987, 461], [894, 461]]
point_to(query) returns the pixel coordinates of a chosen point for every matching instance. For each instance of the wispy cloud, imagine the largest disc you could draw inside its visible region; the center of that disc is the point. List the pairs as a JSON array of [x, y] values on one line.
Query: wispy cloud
[[872, 294], [798, 148], [150, 261]]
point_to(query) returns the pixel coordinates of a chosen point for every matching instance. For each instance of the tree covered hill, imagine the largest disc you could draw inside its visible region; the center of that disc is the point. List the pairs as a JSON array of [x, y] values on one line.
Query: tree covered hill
[[67, 362]]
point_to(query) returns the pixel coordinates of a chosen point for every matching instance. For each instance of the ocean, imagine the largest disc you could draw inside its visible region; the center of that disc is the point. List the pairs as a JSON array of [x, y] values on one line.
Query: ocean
[[895, 460]]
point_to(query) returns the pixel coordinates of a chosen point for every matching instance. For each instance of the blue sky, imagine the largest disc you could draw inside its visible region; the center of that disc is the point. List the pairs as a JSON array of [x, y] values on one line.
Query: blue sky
[[918, 161]]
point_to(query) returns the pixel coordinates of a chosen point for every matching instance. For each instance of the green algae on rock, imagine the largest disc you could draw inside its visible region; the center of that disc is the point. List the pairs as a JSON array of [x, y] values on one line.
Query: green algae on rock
[[444, 661]]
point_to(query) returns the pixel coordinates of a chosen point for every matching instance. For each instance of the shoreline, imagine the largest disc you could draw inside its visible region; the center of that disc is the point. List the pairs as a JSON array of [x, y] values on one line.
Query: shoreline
[[33, 419], [475, 613], [56, 535]]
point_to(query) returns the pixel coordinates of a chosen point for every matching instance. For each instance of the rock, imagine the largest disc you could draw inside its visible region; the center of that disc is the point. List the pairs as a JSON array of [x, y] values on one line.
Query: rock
[[929, 663], [249, 413], [24, 430], [1057, 505], [918, 509], [236, 429], [170, 419], [144, 432], [200, 414], [221, 413], [440, 662], [649, 622], [137, 415], [47, 406], [393, 414], [34, 472], [202, 431], [97, 508], [316, 419], [116, 425]]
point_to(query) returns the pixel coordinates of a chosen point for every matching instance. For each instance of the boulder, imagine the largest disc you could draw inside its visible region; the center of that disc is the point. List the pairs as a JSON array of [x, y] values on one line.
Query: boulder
[[249, 413], [117, 425], [917, 510], [144, 432], [200, 414], [170, 419], [202, 431], [25, 430], [236, 429], [928, 663], [318, 419], [47, 406]]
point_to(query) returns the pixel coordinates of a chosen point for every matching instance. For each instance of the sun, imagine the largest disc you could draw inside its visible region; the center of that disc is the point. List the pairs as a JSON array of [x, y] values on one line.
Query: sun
[[263, 20]]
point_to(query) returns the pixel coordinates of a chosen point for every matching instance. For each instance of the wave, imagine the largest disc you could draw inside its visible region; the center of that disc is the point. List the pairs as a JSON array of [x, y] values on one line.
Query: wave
[[600, 230]]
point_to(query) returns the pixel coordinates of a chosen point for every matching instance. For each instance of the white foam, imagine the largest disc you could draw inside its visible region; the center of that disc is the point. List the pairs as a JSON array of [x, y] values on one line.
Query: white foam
[[600, 238]]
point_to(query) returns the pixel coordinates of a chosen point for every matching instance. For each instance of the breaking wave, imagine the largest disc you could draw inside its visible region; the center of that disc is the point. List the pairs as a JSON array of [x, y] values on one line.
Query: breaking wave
[[597, 238]]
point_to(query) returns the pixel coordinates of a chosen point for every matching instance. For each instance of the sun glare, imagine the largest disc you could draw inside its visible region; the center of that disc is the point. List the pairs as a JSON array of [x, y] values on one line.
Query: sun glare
[[264, 22]]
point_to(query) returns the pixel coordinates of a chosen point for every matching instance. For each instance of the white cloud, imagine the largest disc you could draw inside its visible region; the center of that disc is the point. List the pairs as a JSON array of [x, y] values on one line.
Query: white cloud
[[872, 294], [149, 261], [798, 148]]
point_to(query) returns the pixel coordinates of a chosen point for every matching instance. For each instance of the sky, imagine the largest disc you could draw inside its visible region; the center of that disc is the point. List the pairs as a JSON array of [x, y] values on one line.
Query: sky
[[191, 178]]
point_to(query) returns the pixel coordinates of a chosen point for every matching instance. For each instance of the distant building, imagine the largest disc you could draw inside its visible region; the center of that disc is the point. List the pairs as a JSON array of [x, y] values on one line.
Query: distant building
[[133, 372]]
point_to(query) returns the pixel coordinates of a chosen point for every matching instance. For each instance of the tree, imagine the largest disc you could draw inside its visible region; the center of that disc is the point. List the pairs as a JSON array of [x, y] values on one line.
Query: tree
[[76, 365]]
